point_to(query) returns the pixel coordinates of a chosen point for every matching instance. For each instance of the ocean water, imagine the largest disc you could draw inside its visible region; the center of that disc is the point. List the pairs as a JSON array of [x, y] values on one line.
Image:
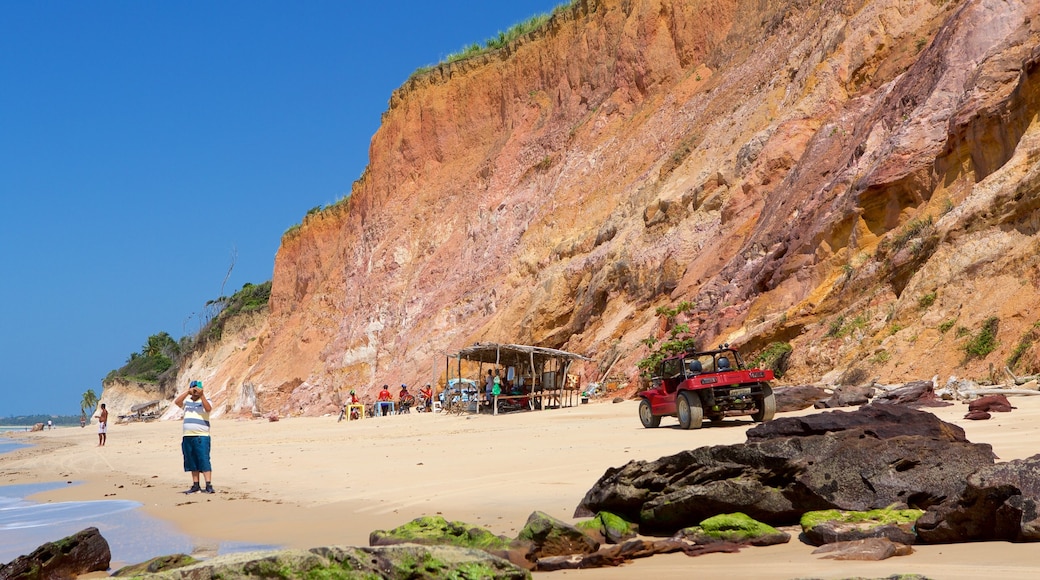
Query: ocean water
[[8, 445], [132, 535]]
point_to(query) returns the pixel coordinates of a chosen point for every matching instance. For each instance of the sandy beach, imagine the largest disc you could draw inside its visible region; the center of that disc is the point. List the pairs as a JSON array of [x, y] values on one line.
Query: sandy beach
[[305, 482]]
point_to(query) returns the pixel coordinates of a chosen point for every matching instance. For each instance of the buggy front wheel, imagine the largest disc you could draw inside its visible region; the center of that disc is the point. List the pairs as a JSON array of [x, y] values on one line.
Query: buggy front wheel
[[688, 408], [646, 415], [766, 405]]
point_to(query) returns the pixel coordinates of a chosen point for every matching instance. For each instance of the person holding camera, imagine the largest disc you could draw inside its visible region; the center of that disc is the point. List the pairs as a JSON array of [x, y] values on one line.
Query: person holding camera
[[195, 442]]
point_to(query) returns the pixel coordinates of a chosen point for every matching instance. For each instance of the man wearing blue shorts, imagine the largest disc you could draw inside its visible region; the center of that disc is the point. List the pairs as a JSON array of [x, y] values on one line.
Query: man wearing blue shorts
[[195, 443]]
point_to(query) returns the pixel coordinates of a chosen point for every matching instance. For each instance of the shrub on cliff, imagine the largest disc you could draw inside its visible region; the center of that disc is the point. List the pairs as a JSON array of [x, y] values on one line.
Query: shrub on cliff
[[155, 358], [677, 340], [775, 357], [250, 298]]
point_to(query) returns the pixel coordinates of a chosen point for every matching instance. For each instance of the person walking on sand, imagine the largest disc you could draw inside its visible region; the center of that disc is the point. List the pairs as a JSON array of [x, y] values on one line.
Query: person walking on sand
[[195, 441], [102, 430]]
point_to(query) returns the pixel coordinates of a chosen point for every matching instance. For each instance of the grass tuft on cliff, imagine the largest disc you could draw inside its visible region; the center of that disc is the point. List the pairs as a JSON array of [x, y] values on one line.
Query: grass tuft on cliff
[[498, 41]]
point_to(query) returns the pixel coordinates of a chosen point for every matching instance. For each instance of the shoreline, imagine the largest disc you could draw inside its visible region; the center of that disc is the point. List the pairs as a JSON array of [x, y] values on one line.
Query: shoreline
[[308, 482]]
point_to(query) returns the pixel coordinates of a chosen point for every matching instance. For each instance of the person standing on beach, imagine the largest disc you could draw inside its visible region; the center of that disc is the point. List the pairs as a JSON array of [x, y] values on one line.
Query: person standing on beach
[[102, 430], [496, 387], [195, 441], [383, 401]]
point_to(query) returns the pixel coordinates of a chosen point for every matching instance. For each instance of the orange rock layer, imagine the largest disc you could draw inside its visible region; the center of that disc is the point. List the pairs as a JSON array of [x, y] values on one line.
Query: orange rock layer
[[856, 178]]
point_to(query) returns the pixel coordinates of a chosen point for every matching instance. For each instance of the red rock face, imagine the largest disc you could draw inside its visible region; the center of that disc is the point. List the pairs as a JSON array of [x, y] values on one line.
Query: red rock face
[[777, 164]]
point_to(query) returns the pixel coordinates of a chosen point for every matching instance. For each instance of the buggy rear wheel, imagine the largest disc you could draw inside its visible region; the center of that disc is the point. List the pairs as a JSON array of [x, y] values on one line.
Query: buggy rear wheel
[[766, 404], [646, 415], [688, 408]]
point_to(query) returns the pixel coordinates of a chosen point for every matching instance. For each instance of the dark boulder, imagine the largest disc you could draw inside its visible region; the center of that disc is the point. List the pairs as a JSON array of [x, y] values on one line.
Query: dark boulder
[[991, 404], [868, 549], [549, 537], [999, 502], [847, 396], [914, 394], [777, 480], [156, 565], [798, 397], [830, 526], [83, 552], [977, 416], [607, 528], [880, 421]]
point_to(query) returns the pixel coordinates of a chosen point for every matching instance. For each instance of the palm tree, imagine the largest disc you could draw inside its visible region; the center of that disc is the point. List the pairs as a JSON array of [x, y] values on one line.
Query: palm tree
[[90, 400]]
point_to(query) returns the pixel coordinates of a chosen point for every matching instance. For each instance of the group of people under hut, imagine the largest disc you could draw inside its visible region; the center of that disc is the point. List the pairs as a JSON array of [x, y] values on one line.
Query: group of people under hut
[[495, 385]]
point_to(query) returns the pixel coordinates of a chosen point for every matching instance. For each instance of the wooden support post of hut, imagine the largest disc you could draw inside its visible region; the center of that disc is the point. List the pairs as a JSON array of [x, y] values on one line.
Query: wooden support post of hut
[[535, 375]]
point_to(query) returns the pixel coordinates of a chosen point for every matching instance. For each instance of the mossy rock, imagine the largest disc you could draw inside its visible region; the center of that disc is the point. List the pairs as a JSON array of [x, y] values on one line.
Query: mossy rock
[[829, 526], [608, 528], [877, 517], [552, 537], [156, 565], [349, 563], [435, 530], [736, 527]]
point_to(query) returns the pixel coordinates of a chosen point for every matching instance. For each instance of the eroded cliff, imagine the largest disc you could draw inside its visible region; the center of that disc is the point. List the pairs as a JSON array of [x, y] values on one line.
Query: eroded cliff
[[857, 178]]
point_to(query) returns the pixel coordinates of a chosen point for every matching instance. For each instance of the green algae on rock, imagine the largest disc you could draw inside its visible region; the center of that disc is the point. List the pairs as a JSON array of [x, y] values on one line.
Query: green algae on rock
[[610, 528], [735, 527], [435, 530]]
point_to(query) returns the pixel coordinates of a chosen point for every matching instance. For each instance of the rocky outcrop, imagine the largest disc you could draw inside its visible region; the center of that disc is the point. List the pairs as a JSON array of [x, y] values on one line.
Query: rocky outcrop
[[733, 528], [777, 479], [831, 526], [437, 531], [914, 393], [81, 553], [120, 396], [607, 528], [401, 561], [847, 396], [551, 537], [159, 564], [999, 502], [798, 397], [881, 421]]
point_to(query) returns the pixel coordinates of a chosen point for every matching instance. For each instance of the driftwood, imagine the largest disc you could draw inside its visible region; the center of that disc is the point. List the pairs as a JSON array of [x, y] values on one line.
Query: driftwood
[[999, 391], [1020, 380]]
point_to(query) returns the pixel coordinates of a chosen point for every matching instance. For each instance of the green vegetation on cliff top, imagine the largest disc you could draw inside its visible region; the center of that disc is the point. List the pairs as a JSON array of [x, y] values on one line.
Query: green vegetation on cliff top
[[498, 41], [161, 354]]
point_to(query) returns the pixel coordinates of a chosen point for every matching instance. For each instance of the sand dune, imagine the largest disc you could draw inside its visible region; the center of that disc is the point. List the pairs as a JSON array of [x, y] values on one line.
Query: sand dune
[[305, 482]]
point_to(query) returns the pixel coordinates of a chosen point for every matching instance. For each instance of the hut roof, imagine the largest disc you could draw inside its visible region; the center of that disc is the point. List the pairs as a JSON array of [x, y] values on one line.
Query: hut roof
[[141, 406], [490, 352]]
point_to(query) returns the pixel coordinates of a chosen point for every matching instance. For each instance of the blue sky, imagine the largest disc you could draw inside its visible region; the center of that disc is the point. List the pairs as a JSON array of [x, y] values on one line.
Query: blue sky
[[143, 143]]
